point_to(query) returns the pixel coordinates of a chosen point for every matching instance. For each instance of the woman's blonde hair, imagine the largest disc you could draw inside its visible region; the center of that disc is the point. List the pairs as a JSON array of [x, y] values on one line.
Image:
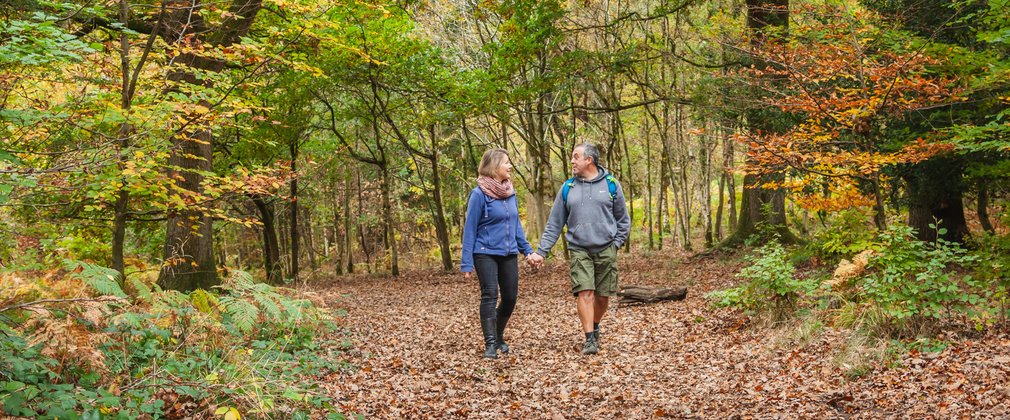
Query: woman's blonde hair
[[492, 159]]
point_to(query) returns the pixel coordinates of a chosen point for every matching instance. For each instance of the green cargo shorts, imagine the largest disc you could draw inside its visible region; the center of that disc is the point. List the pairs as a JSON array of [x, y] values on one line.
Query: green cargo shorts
[[594, 271]]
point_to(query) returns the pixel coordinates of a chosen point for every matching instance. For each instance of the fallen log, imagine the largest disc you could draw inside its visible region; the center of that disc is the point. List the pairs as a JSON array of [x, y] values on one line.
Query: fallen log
[[643, 294]]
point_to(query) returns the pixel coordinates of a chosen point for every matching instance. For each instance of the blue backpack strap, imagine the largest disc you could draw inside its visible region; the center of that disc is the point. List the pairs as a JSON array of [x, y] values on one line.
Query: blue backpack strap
[[566, 187], [612, 186]]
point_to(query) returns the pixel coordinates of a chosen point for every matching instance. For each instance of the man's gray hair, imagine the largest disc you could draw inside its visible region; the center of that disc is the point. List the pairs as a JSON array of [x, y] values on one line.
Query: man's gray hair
[[589, 149]]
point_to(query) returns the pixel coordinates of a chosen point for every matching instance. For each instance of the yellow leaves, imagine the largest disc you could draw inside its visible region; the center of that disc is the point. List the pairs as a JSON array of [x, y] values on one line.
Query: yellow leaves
[[228, 413], [841, 194], [305, 67], [203, 301], [14, 289]]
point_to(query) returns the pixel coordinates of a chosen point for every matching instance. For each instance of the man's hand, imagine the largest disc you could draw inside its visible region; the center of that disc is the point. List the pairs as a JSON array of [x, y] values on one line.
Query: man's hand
[[536, 260]]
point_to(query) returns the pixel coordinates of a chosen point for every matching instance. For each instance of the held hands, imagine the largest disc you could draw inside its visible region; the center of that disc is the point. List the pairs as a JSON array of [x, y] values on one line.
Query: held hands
[[535, 260]]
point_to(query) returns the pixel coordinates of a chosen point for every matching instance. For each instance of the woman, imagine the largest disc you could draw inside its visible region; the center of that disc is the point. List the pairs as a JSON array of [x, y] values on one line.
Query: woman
[[492, 239]]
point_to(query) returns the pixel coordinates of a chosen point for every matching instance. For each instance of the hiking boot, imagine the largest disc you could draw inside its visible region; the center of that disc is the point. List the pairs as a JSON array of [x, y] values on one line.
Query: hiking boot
[[500, 335], [592, 346], [490, 343]]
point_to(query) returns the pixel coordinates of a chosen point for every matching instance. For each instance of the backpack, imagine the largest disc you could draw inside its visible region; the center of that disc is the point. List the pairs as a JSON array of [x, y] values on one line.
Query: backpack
[[611, 185]]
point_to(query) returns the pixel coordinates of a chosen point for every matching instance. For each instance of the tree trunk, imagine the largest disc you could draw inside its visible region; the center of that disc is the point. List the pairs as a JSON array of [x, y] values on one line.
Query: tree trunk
[[664, 186], [441, 230], [271, 250], [119, 232], [728, 164], [390, 228], [338, 240], [719, 207], [189, 238], [283, 242], [361, 232], [293, 214], [765, 19], [188, 251], [982, 206], [935, 194], [310, 239], [349, 225], [682, 193], [648, 176], [630, 177], [706, 189], [123, 195]]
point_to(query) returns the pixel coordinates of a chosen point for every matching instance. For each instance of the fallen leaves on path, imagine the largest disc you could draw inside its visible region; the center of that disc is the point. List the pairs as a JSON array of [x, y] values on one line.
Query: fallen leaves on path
[[418, 348]]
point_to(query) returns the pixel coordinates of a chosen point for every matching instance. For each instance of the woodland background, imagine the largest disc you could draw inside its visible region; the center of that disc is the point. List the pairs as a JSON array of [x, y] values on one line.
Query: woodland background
[[181, 180]]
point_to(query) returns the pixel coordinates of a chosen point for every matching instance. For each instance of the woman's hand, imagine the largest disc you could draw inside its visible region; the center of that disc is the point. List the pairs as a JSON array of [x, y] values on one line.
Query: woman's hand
[[468, 275], [535, 260]]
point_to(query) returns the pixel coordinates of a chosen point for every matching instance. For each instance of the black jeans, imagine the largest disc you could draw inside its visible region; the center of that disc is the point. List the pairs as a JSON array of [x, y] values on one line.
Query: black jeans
[[497, 272]]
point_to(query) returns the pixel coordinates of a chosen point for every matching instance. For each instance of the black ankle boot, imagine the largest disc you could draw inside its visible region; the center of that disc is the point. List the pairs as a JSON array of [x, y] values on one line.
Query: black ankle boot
[[500, 334], [489, 325]]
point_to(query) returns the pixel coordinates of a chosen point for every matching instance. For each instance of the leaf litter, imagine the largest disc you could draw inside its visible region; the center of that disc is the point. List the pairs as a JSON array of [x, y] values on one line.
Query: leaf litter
[[417, 348]]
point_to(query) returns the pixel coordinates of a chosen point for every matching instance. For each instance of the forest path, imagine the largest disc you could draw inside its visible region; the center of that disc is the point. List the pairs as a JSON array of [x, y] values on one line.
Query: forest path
[[418, 351]]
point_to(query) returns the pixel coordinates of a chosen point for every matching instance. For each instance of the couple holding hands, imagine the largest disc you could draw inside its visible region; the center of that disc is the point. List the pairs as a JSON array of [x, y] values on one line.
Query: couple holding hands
[[591, 204]]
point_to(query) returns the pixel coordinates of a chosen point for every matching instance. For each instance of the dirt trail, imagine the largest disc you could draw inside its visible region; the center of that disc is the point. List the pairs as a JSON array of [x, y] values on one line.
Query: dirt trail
[[418, 350]]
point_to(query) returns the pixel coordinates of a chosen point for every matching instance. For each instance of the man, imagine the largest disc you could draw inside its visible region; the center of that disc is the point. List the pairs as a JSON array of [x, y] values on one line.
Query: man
[[592, 205]]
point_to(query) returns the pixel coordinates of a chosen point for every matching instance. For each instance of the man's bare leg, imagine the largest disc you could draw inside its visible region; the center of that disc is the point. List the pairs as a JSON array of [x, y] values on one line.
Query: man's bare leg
[[585, 304], [600, 305]]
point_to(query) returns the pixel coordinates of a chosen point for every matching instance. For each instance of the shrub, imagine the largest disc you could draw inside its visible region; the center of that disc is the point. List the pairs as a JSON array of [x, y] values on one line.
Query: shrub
[[847, 235], [992, 267], [771, 285], [913, 284]]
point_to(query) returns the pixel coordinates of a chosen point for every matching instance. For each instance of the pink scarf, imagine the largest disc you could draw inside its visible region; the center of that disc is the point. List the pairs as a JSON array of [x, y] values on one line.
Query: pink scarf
[[495, 189]]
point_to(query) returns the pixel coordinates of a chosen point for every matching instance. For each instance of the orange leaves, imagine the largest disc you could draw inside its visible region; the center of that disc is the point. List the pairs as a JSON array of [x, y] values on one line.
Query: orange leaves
[[921, 150], [845, 88], [840, 196]]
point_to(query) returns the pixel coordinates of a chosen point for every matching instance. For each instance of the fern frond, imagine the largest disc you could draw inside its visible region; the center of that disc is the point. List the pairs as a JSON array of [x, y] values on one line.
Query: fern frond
[[241, 312], [129, 319], [295, 308], [143, 291], [104, 281], [168, 301], [239, 280], [203, 301], [268, 304]]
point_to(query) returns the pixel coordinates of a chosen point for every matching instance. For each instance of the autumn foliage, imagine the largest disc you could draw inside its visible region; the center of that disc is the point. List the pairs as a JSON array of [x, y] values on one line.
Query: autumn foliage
[[843, 81]]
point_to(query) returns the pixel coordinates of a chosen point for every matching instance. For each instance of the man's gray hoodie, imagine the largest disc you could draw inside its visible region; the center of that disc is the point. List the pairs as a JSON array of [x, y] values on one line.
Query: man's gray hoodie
[[594, 221]]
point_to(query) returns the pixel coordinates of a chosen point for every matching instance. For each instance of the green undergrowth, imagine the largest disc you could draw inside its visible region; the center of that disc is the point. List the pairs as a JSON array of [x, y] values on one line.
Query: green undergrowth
[[888, 292], [131, 350]]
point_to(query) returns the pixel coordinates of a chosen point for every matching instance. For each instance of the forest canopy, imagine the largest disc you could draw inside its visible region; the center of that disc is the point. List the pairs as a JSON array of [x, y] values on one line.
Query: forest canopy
[[167, 159]]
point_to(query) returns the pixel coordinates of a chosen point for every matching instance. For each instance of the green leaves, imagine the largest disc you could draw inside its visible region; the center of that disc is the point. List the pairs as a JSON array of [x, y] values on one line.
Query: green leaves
[[242, 313], [38, 41], [104, 281], [247, 301], [915, 281], [771, 285], [18, 395]]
